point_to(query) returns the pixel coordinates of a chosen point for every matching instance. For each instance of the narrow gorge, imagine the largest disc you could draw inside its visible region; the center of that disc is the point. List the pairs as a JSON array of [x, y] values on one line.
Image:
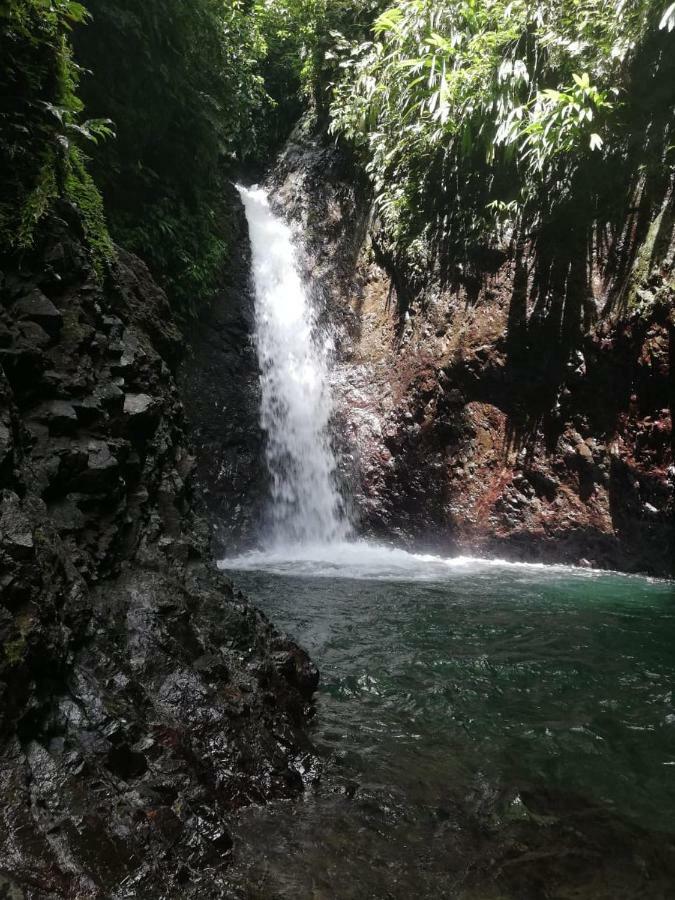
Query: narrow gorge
[[337, 478]]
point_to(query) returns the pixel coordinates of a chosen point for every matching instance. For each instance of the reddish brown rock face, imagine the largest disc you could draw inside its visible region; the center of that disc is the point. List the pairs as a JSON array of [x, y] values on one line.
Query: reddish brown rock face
[[492, 415], [461, 461]]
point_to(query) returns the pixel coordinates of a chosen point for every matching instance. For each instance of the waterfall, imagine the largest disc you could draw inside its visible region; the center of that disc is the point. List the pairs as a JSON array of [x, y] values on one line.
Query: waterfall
[[296, 403]]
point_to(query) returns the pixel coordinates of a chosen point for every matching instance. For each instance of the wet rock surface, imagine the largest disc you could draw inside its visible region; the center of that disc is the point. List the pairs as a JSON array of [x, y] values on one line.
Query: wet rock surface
[[141, 701], [467, 424], [220, 383]]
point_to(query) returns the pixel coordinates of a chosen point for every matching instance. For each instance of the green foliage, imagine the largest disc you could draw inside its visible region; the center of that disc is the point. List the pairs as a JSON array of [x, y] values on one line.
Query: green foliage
[[471, 112], [194, 91], [556, 122], [181, 83], [40, 122], [298, 65], [472, 116], [80, 190], [287, 30]]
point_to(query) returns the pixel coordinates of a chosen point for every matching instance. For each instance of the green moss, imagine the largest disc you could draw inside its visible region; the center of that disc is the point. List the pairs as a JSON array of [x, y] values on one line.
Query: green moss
[[40, 127], [14, 650], [82, 192], [38, 202]]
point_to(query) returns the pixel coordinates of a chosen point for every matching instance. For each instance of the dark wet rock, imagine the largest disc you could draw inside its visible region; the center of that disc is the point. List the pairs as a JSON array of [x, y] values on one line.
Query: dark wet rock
[[58, 415], [126, 763], [16, 529], [23, 367], [130, 353], [88, 410], [109, 395], [102, 469], [36, 307], [220, 385], [544, 483], [67, 516], [6, 444], [34, 334], [131, 725], [143, 413], [298, 669]]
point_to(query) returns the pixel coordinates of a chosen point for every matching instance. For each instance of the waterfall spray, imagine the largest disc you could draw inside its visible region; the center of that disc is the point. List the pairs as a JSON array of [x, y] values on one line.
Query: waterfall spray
[[296, 404]]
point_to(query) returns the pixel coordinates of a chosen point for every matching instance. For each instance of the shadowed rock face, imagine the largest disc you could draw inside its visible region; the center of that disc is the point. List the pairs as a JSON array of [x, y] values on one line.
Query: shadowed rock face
[[471, 420], [141, 701], [220, 384]]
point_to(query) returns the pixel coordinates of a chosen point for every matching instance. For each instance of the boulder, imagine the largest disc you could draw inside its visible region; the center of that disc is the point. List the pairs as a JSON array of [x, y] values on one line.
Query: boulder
[[142, 413], [6, 443], [34, 334], [102, 472], [58, 415], [295, 666], [131, 353], [88, 410], [36, 307], [109, 395], [16, 533]]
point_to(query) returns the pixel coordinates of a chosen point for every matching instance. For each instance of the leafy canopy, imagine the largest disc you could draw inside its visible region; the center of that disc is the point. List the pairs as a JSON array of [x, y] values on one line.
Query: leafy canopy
[[467, 111]]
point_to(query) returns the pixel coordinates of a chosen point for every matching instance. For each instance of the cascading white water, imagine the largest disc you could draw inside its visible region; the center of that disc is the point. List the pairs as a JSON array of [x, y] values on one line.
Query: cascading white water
[[310, 532], [296, 402]]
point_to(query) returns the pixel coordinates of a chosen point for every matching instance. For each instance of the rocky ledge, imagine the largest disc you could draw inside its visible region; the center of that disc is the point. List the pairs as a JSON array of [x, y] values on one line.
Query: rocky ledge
[[142, 701]]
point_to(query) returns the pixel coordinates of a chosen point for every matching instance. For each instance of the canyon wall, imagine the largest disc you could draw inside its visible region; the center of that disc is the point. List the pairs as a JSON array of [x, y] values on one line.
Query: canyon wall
[[523, 411], [220, 386]]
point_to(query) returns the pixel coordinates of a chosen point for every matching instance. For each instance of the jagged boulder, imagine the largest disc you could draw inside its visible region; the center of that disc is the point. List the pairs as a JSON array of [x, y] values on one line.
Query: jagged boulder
[[38, 308]]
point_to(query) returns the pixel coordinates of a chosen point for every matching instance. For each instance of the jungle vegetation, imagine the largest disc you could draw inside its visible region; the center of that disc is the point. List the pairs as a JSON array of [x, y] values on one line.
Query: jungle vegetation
[[474, 119], [476, 116]]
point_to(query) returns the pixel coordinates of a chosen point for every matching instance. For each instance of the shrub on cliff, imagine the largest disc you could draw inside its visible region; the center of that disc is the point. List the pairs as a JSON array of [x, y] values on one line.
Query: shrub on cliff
[[42, 132]]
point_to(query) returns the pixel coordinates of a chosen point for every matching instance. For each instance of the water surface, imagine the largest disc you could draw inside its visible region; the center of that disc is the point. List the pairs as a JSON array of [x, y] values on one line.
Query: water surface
[[475, 713]]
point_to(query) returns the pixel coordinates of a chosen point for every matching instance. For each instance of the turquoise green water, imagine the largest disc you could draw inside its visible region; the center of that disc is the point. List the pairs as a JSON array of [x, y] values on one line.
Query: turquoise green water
[[472, 704]]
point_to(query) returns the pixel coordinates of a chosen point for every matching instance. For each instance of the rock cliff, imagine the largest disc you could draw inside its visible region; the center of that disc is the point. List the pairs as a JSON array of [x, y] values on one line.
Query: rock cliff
[[141, 700], [220, 386], [523, 410]]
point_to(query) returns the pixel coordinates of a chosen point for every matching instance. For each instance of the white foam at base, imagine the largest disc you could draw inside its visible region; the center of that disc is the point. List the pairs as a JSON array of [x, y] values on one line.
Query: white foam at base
[[364, 560]]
